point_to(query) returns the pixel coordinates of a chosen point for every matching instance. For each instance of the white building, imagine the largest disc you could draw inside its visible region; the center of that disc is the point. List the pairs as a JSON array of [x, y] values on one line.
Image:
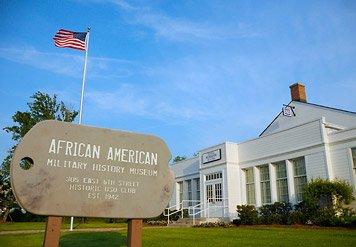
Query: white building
[[303, 142]]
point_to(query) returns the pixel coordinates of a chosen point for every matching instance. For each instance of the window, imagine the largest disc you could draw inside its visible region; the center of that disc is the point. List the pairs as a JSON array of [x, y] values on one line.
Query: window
[[189, 183], [353, 151], [300, 177], [218, 192], [209, 193], [281, 180], [250, 187], [265, 185], [180, 191], [214, 192], [197, 185], [213, 176]]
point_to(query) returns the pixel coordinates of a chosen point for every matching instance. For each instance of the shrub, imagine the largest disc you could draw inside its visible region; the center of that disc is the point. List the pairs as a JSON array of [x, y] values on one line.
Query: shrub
[[324, 200], [276, 213], [302, 213], [325, 217], [297, 217], [324, 193], [348, 217], [248, 214], [323, 205], [236, 222], [115, 220], [18, 216]]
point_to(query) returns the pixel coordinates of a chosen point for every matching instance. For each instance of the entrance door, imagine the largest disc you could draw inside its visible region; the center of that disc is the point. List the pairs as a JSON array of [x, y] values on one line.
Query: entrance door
[[214, 200]]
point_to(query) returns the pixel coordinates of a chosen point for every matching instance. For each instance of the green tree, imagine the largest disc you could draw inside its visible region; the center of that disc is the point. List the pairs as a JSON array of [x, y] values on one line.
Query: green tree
[[41, 107], [179, 158]]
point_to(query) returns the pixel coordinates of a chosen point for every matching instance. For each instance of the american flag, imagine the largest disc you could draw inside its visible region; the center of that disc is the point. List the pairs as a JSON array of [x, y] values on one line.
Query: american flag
[[69, 39]]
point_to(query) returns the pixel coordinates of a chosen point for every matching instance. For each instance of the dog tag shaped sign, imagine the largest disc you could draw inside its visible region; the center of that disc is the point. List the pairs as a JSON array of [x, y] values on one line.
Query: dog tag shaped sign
[[64, 169]]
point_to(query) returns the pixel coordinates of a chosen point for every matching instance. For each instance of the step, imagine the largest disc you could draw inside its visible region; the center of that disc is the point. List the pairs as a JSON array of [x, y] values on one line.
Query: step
[[186, 222]]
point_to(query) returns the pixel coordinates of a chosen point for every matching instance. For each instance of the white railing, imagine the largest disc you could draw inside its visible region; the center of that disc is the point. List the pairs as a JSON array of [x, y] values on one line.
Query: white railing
[[178, 208], [206, 207], [197, 209]]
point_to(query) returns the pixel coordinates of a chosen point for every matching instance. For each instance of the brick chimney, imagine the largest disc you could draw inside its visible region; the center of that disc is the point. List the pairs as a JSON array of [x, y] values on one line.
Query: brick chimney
[[297, 91]]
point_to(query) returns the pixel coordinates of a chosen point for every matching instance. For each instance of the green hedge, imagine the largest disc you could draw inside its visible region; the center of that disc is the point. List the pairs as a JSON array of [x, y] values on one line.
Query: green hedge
[[323, 205], [282, 213]]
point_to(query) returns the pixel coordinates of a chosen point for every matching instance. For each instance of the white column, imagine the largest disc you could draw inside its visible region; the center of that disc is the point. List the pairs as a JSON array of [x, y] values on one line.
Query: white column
[[256, 173], [238, 175], [177, 195], [194, 189], [328, 165], [185, 193], [290, 181], [203, 193], [243, 187], [224, 191], [273, 182], [202, 188]]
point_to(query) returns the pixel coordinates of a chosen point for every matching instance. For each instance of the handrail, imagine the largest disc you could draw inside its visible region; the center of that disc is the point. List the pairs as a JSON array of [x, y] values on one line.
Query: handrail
[[208, 207], [196, 209], [180, 205], [171, 207], [181, 208]]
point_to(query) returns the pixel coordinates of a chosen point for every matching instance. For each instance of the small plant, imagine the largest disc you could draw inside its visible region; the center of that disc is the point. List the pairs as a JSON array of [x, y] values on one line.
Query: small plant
[[156, 223], [215, 224]]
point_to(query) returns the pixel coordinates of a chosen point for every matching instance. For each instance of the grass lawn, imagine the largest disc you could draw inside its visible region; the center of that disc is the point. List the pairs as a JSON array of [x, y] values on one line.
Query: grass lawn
[[17, 226], [242, 236]]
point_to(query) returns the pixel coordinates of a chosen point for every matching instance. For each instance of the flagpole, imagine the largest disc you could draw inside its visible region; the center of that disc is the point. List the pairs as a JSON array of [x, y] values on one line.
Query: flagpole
[[84, 76], [82, 95]]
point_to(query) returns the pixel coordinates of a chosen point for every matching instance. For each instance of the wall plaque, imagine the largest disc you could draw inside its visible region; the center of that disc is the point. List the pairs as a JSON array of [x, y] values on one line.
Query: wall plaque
[[211, 156], [64, 169]]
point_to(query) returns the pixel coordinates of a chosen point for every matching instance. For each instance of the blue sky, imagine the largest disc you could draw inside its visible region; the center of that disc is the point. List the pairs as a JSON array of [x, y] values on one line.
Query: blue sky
[[195, 73]]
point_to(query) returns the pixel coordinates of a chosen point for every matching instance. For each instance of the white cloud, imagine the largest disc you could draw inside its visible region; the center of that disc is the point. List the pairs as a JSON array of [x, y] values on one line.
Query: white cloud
[[68, 64], [53, 62], [139, 101], [179, 29]]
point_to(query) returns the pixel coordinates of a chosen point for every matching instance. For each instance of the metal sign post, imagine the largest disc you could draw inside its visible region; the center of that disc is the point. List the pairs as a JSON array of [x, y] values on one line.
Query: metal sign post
[[82, 97]]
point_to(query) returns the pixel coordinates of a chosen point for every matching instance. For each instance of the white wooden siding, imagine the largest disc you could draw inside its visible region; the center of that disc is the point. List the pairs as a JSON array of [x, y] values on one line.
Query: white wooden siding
[[186, 167], [340, 144], [315, 165], [340, 163], [303, 136]]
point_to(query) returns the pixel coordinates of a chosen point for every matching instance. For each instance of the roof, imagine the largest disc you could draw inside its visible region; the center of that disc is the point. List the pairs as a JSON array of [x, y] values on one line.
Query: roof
[[317, 105], [328, 107]]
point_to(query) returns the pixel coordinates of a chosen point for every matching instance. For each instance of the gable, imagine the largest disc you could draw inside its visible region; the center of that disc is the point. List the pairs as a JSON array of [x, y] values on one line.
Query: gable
[[306, 112]]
